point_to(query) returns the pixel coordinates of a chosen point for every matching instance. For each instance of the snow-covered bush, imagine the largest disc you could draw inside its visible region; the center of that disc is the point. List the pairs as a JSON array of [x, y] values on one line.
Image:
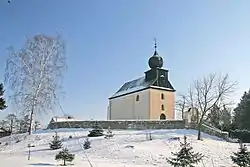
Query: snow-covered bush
[[56, 143]]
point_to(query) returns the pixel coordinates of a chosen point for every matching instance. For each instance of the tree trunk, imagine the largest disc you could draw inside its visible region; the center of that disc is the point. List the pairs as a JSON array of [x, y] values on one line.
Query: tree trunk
[[11, 126], [31, 120], [199, 132], [64, 162]]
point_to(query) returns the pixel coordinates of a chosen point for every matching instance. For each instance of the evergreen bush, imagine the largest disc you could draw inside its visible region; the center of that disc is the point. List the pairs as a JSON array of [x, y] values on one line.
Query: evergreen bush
[[87, 144], [241, 158], [96, 132], [185, 157], [65, 156], [56, 143]]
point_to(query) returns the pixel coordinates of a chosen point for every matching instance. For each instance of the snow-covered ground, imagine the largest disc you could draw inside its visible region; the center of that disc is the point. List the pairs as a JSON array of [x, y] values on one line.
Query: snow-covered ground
[[113, 152]]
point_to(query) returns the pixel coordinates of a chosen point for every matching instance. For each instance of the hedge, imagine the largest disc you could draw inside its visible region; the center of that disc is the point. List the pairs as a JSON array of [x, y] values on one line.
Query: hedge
[[243, 135]]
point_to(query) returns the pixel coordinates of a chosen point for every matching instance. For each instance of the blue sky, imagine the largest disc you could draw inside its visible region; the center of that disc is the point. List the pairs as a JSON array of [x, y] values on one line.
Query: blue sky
[[109, 42]]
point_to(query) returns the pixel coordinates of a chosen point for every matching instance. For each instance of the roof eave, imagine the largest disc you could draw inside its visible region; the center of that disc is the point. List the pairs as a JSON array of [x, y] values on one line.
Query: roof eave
[[152, 87], [113, 97], [162, 88]]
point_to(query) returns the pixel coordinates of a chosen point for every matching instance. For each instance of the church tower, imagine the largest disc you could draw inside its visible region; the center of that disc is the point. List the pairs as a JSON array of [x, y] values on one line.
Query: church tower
[[149, 97]]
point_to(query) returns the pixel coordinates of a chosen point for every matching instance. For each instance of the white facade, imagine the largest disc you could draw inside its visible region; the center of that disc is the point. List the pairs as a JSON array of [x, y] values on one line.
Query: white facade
[[129, 107]]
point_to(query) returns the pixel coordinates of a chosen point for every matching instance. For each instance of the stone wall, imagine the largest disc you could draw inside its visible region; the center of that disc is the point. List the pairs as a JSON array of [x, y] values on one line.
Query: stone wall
[[211, 131], [120, 124]]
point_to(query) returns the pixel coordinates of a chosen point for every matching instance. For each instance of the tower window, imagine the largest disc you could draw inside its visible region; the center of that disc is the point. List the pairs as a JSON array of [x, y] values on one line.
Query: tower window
[[137, 97], [162, 96], [162, 107]]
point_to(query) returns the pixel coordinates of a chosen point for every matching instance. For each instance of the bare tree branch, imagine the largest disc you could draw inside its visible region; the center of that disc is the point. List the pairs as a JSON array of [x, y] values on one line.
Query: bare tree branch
[[34, 73]]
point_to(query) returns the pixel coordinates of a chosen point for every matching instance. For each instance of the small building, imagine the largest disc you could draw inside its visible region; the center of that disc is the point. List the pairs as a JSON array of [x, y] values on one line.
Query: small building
[[192, 115], [150, 97]]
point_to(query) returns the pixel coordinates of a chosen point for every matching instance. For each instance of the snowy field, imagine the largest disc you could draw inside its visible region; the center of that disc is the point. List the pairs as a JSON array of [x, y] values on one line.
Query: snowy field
[[113, 152]]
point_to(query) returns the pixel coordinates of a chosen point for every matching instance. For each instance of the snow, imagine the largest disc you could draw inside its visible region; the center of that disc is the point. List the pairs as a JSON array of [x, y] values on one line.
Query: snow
[[114, 152]]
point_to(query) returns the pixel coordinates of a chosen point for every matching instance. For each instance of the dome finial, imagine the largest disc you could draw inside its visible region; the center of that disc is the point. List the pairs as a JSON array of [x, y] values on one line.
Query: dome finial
[[155, 52], [155, 44]]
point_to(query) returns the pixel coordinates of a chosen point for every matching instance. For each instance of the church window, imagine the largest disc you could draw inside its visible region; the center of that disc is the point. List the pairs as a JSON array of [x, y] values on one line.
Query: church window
[[137, 97], [162, 96], [162, 107]]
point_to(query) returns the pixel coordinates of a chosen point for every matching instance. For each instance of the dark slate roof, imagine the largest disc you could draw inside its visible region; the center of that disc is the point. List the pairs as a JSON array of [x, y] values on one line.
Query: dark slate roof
[[137, 85], [132, 86]]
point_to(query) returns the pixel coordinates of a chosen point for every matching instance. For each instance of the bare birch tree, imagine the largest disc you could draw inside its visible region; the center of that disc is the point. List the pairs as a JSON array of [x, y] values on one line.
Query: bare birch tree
[[34, 74], [207, 92]]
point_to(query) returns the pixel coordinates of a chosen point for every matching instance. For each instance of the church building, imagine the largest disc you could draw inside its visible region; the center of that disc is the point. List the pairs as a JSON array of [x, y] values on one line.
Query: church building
[[151, 97]]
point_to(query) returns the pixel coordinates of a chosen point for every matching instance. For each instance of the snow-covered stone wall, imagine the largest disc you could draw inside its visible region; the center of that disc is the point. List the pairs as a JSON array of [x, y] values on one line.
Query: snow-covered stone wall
[[121, 124]]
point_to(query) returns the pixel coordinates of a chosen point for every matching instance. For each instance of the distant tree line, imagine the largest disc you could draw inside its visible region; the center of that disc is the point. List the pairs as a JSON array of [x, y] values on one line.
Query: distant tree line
[[240, 121], [11, 122], [2, 100], [15, 124]]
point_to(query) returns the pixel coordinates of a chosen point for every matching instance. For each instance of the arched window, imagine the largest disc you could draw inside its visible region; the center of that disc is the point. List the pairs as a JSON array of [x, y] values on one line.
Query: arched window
[[162, 107], [162, 96], [137, 98], [162, 116]]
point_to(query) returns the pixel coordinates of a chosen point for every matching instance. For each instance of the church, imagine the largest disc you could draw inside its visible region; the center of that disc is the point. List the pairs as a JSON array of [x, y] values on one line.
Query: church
[[151, 97]]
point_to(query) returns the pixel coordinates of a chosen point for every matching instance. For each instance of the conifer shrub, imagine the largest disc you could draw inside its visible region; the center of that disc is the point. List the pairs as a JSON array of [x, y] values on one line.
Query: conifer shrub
[[96, 132], [241, 158], [65, 156], [86, 144], [186, 157], [56, 143]]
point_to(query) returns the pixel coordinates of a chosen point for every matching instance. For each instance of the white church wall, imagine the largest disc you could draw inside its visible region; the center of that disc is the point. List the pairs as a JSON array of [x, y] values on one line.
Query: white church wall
[[142, 107], [126, 107]]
